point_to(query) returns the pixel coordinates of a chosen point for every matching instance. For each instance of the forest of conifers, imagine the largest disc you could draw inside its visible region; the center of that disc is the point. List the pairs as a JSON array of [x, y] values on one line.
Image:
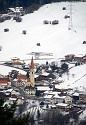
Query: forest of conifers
[[4, 4]]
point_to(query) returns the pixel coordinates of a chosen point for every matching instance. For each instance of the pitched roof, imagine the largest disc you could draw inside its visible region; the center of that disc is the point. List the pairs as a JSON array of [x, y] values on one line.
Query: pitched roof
[[45, 74], [43, 88], [21, 76], [4, 80], [62, 104], [48, 96], [32, 64], [70, 55]]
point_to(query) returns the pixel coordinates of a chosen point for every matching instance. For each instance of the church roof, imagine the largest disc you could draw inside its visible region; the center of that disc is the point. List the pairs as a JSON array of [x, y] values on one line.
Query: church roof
[[32, 64]]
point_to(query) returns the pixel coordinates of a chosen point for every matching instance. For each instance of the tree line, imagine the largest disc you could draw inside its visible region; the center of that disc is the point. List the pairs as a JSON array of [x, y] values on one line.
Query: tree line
[[4, 4]]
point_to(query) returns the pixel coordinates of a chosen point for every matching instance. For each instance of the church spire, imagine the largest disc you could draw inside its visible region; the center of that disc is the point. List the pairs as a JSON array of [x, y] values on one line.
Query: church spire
[[32, 64]]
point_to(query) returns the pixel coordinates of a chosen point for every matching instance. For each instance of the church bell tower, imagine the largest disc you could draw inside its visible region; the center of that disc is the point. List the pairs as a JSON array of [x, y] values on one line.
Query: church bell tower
[[32, 73]]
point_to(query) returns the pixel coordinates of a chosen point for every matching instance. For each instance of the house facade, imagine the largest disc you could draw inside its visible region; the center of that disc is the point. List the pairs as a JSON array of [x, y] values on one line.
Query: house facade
[[68, 100]]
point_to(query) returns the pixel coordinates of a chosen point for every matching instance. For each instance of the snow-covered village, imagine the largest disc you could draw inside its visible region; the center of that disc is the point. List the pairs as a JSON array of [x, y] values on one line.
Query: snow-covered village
[[43, 62]]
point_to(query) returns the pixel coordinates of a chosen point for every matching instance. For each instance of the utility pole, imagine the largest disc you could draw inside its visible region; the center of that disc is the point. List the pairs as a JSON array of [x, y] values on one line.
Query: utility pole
[[70, 27]]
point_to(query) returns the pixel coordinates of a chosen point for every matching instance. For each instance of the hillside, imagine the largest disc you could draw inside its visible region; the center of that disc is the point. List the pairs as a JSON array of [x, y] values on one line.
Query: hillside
[[76, 78], [53, 38]]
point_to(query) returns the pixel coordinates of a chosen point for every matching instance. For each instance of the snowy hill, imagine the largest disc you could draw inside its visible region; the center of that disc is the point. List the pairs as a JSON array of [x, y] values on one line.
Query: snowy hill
[[76, 78], [53, 38]]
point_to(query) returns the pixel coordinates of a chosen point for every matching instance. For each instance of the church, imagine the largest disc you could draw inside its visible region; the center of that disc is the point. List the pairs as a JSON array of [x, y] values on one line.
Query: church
[[30, 84]]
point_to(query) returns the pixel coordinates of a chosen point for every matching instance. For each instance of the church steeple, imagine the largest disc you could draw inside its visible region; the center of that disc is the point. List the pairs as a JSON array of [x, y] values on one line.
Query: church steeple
[[32, 73], [30, 84], [32, 64]]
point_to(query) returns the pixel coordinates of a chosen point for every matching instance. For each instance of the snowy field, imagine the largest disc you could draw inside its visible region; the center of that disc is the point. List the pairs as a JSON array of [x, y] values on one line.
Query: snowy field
[[53, 38]]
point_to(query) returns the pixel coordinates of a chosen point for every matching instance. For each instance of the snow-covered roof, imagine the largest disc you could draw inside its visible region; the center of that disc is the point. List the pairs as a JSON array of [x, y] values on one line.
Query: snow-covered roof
[[79, 55], [46, 92], [60, 97], [12, 99], [13, 9], [76, 94], [15, 80], [49, 106], [62, 104], [36, 75], [48, 96], [43, 88], [45, 74], [59, 79], [61, 86], [7, 93], [15, 58], [54, 93], [8, 90], [49, 68]]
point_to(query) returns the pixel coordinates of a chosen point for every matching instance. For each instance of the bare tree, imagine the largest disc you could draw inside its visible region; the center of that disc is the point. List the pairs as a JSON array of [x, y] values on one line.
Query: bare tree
[[56, 117]]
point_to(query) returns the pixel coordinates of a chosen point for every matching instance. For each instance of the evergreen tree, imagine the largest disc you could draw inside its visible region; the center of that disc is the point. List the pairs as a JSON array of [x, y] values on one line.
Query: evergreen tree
[[64, 67], [7, 115], [37, 93], [28, 75]]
